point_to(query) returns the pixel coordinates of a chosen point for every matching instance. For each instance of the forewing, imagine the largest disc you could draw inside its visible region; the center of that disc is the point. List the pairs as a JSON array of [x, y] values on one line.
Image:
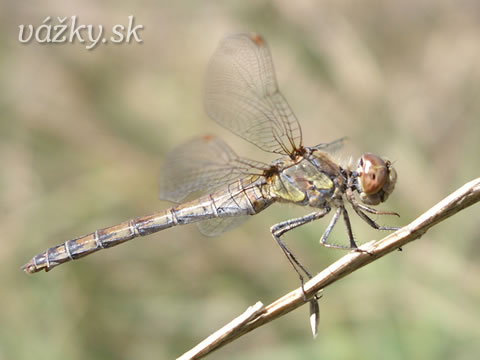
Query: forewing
[[201, 166], [241, 94]]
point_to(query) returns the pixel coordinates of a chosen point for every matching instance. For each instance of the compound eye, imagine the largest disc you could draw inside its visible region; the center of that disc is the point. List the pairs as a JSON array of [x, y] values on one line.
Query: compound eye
[[373, 173]]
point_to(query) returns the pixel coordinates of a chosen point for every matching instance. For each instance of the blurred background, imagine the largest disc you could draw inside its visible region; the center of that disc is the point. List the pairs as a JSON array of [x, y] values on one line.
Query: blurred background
[[82, 138]]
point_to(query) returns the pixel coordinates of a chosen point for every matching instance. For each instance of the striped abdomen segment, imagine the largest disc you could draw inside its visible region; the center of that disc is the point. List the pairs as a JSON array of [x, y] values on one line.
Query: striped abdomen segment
[[230, 202]]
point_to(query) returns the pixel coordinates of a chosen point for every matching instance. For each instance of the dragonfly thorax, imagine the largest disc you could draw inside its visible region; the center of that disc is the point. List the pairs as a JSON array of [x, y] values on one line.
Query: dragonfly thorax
[[309, 181]]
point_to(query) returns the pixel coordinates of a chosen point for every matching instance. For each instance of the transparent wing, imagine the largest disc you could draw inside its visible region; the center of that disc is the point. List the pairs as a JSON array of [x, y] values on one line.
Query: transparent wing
[[331, 147], [201, 166], [217, 226], [241, 94]]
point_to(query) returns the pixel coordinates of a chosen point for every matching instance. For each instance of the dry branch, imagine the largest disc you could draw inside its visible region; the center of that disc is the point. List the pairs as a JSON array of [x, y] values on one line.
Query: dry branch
[[258, 315]]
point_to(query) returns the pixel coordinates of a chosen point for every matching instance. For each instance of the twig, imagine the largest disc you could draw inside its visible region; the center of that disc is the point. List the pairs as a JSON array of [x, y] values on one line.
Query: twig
[[212, 342], [464, 197]]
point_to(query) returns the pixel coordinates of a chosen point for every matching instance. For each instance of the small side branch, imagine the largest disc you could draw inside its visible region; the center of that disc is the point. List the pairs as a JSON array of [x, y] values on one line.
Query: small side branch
[[257, 315]]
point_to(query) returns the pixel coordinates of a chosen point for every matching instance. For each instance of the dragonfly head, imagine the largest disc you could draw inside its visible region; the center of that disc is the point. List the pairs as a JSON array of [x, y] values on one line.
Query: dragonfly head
[[376, 179]]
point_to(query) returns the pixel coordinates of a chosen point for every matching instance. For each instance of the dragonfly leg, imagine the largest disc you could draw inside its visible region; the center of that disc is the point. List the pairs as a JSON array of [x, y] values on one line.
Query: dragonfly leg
[[323, 240], [281, 228], [371, 222], [359, 207], [373, 211], [348, 226]]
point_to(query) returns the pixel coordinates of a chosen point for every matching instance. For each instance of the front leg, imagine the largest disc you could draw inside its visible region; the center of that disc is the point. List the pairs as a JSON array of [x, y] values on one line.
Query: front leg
[[360, 208]]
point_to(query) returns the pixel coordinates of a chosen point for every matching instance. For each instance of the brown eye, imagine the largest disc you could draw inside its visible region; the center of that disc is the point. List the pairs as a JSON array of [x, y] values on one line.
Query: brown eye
[[373, 173]]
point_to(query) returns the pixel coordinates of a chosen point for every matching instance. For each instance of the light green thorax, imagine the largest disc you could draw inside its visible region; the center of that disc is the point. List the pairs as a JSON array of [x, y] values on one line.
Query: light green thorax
[[310, 173], [284, 188], [293, 183]]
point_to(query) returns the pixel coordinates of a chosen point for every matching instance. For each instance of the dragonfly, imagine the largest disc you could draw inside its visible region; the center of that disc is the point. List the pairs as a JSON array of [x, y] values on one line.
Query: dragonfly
[[218, 190]]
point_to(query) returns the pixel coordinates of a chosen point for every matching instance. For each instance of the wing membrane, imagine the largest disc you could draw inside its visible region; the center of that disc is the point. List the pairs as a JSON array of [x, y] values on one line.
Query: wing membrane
[[217, 226], [331, 147], [241, 94], [201, 166]]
